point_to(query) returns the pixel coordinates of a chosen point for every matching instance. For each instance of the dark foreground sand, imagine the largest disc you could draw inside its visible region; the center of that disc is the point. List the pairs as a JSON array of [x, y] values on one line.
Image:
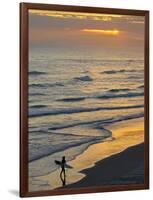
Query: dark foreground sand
[[126, 167]]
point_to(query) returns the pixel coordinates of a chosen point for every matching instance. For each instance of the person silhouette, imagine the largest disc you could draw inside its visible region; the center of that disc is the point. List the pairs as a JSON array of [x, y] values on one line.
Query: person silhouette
[[63, 165], [63, 178]]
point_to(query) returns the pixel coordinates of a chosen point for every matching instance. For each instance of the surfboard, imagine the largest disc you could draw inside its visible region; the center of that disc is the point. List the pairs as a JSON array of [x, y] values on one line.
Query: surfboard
[[57, 162]]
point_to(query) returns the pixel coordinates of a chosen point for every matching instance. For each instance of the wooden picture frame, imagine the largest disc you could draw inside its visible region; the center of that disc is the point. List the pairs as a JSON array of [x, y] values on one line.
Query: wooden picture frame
[[24, 78]]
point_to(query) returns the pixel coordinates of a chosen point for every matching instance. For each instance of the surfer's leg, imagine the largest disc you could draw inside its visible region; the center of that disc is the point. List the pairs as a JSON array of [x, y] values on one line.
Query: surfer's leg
[[64, 173], [61, 174], [64, 178]]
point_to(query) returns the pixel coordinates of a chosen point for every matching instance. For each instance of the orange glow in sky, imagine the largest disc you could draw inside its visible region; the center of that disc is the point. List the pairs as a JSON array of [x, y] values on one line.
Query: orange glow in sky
[[101, 31]]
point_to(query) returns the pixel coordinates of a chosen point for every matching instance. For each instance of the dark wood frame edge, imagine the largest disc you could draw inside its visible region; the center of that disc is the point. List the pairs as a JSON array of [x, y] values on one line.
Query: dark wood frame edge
[[146, 99], [24, 99]]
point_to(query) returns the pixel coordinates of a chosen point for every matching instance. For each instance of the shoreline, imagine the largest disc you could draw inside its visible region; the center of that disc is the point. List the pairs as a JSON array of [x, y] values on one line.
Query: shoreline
[[125, 167], [126, 134]]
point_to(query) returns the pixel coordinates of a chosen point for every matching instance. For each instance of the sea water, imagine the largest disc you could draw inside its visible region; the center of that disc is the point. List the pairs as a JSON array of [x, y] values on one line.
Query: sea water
[[72, 96]]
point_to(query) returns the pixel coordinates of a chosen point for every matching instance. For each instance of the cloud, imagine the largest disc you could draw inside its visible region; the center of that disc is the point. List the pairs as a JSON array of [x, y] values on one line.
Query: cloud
[[88, 16]]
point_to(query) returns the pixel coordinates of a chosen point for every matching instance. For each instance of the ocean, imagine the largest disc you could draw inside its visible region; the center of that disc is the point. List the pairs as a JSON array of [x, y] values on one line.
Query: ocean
[[72, 97]]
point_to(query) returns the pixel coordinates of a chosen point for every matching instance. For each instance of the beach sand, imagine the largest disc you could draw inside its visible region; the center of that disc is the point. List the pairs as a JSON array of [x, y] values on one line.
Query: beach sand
[[105, 163], [126, 167]]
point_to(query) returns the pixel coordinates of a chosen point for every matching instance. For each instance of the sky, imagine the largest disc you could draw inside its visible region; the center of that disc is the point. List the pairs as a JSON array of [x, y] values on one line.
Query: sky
[[92, 31]]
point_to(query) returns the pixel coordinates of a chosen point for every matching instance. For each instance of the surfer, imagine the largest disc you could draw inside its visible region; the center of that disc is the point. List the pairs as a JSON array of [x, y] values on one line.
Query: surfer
[[62, 165]]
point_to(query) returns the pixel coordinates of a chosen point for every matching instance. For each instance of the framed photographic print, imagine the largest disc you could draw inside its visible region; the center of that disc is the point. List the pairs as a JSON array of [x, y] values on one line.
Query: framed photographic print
[[84, 86]]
